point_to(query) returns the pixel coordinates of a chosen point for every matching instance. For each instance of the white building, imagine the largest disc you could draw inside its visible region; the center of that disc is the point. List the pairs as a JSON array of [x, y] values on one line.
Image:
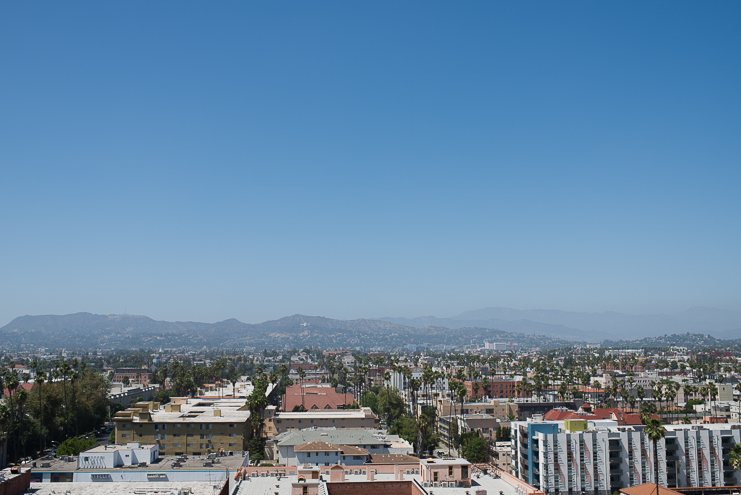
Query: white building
[[113, 456], [601, 457]]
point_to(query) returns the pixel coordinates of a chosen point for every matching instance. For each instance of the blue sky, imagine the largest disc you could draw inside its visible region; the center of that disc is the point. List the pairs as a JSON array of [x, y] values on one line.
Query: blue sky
[[191, 161]]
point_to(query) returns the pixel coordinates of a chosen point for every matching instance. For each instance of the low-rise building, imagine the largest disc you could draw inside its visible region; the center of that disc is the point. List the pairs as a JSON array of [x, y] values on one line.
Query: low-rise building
[[277, 422], [434, 472], [186, 426], [324, 447]]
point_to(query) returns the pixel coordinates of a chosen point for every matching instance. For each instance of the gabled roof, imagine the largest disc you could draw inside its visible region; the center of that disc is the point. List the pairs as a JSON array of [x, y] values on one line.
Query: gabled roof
[[317, 447], [648, 489]]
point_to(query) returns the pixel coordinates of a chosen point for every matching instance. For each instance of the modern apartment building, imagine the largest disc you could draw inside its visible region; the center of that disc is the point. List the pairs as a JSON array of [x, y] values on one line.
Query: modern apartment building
[[578, 455], [186, 426]]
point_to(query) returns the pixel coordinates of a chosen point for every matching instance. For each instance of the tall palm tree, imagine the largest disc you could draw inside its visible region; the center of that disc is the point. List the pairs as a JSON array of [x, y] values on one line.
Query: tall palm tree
[[40, 378], [655, 431], [64, 371]]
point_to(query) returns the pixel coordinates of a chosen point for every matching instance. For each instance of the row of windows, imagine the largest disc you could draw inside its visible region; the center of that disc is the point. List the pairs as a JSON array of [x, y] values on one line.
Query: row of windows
[[163, 426]]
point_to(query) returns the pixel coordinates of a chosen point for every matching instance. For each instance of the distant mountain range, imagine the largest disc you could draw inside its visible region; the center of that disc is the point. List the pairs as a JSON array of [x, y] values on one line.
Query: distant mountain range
[[529, 329], [90, 331], [591, 327]]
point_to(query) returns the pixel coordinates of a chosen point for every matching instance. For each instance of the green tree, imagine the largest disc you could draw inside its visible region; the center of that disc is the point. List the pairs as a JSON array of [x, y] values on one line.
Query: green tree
[[390, 405], [75, 445], [369, 399], [474, 448], [735, 457]]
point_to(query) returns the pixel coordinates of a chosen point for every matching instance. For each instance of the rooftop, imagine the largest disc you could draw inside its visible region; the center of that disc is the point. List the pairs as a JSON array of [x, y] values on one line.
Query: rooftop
[[362, 413], [124, 488], [338, 437], [191, 410], [282, 486], [165, 463]]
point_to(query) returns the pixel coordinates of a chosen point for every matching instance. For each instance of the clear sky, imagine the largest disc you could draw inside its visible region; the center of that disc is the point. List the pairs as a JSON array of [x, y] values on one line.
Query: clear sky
[[209, 160]]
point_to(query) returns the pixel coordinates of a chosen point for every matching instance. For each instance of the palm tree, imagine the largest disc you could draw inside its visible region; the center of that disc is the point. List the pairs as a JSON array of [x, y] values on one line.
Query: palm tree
[[713, 393], [655, 431], [64, 371], [40, 378], [735, 457]]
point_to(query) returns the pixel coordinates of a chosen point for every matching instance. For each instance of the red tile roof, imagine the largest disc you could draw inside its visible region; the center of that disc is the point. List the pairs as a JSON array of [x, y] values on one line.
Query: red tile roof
[[623, 418], [314, 398], [23, 386]]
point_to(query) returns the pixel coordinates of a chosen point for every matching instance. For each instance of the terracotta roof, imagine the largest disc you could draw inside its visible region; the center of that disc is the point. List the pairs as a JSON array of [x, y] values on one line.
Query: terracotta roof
[[314, 398], [317, 447], [623, 418], [23, 386], [350, 450], [648, 489]]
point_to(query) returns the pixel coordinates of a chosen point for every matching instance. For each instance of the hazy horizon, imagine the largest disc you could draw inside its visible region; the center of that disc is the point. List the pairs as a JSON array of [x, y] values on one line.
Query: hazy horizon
[[359, 317], [200, 162]]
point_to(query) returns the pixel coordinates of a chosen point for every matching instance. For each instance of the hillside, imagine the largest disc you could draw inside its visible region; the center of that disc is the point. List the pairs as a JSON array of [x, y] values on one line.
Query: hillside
[[591, 327], [90, 331]]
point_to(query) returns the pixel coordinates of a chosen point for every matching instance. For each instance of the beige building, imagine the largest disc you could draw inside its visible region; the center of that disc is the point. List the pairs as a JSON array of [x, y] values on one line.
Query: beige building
[[496, 408], [278, 421], [186, 426]]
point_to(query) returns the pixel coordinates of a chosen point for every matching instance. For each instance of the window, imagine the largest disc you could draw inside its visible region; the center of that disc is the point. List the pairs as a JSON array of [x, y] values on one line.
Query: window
[[232, 445], [450, 470], [177, 425], [357, 457], [125, 435], [279, 421], [176, 445], [435, 477], [164, 446], [232, 434], [334, 420], [300, 421], [176, 435], [234, 425], [304, 490], [313, 421], [464, 472], [188, 444]]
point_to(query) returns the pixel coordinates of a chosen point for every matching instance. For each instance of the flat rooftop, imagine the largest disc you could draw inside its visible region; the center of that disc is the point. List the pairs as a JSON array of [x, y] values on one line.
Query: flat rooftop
[[123, 488], [361, 413], [164, 463], [271, 485]]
